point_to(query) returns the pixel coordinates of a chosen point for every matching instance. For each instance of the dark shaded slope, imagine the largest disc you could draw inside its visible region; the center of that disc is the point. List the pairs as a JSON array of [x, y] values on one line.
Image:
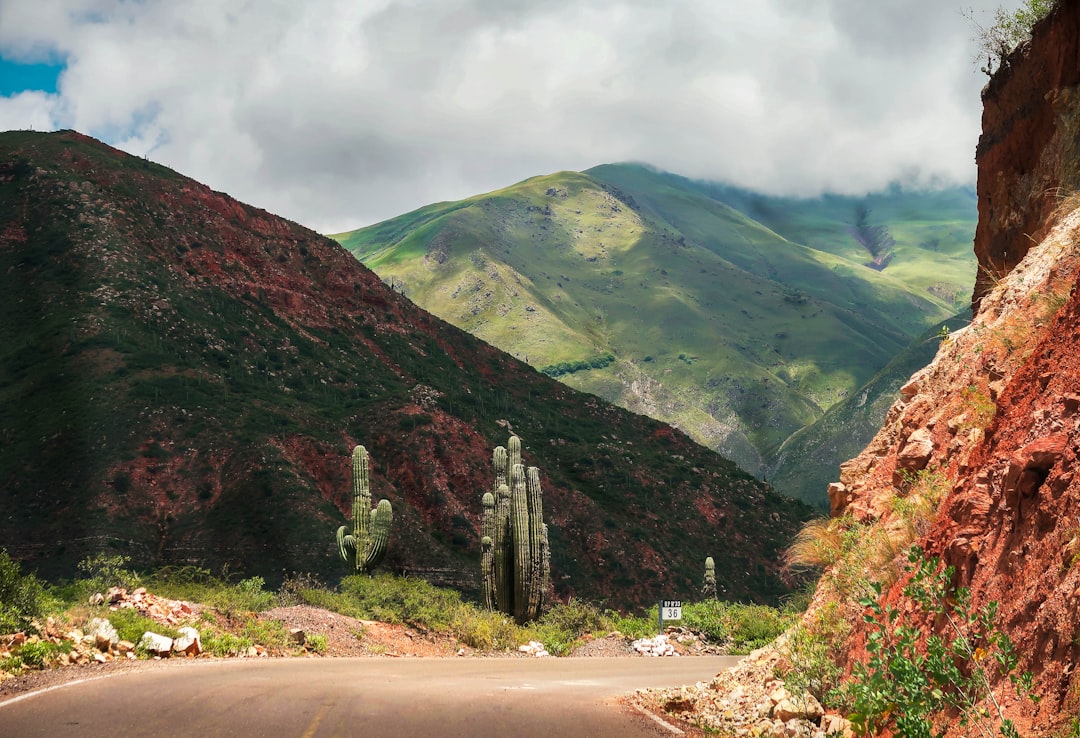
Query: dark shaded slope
[[182, 378]]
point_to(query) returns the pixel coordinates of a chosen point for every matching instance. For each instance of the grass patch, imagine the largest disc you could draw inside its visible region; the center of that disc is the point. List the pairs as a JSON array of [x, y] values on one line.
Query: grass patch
[[131, 626]]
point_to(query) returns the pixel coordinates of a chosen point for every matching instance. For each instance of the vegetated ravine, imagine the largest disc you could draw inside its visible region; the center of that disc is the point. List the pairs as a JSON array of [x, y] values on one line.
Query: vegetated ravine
[[738, 317]]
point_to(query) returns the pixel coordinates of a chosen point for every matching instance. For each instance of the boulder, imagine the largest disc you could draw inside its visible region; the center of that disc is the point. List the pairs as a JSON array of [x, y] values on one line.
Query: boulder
[[155, 644], [916, 452], [839, 498], [798, 708], [188, 642], [101, 633]]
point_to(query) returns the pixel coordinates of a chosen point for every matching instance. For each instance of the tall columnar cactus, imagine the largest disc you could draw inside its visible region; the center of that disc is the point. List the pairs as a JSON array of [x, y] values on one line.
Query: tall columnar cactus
[[515, 559], [708, 589], [366, 546]]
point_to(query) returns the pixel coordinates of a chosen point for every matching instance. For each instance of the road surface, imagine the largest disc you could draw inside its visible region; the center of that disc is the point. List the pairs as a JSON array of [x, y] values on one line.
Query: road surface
[[372, 698]]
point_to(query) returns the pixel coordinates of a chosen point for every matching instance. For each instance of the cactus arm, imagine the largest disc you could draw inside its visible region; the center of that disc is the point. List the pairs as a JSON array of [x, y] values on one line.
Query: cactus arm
[[708, 589], [498, 460], [382, 517], [545, 569], [361, 503], [345, 543], [503, 562], [513, 450], [520, 537], [487, 544], [535, 581], [487, 562]]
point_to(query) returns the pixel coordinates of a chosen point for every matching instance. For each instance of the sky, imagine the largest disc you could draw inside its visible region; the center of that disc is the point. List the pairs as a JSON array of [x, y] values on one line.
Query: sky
[[342, 113]]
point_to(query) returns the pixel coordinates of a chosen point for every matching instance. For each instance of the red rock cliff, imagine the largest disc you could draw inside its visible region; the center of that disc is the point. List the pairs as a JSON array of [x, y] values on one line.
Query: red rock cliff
[[1029, 152], [994, 420]]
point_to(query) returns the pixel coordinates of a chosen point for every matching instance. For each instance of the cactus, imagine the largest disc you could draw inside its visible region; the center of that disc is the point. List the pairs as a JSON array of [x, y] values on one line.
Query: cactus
[[366, 546], [515, 559], [708, 589]]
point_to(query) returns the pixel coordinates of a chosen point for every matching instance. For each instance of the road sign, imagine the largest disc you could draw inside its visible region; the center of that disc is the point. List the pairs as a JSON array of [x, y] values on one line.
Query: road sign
[[671, 610]]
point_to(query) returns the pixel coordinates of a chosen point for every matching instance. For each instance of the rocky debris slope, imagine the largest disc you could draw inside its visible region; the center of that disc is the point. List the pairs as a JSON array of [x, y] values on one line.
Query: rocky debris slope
[[161, 609], [748, 700]]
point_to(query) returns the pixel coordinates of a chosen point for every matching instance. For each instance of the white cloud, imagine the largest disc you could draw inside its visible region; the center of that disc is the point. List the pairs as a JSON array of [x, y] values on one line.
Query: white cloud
[[32, 110], [338, 113]]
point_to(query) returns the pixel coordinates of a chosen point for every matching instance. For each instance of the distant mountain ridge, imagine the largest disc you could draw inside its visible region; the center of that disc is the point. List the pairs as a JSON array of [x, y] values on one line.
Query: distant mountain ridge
[[737, 317], [183, 378]]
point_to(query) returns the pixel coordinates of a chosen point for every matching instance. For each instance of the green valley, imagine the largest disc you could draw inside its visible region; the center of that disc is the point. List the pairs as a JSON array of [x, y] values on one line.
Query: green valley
[[740, 318]]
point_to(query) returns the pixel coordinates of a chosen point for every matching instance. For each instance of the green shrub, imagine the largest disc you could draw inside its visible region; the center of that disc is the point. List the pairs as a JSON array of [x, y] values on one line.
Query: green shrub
[[564, 625], [268, 633], [21, 596], [1009, 29], [246, 595], [318, 643], [393, 599], [487, 631], [12, 665], [40, 654], [577, 617], [191, 583], [294, 590], [813, 654], [908, 680], [223, 644], [101, 572], [634, 626], [741, 628]]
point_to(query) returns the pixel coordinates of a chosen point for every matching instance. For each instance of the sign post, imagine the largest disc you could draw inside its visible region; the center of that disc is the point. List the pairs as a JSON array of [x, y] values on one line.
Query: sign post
[[669, 610]]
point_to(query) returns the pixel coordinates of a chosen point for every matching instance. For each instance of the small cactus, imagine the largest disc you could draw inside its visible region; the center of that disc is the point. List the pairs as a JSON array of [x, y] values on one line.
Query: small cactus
[[515, 559], [708, 589], [366, 546]]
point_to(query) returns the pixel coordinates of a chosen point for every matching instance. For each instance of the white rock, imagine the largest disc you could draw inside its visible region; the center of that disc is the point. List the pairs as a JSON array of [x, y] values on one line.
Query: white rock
[[155, 644], [534, 648], [101, 633], [188, 642]]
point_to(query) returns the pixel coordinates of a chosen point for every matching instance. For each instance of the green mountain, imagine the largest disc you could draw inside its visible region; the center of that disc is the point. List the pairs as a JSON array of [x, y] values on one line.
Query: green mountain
[[843, 431], [183, 378], [739, 318]]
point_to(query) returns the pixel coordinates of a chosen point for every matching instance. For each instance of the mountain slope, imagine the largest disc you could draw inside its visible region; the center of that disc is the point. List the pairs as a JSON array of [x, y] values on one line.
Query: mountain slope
[[183, 377], [811, 457], [712, 320]]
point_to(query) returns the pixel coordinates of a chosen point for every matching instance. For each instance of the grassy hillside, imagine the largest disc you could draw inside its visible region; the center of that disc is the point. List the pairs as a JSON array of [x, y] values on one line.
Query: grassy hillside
[[718, 319], [810, 459], [183, 378]]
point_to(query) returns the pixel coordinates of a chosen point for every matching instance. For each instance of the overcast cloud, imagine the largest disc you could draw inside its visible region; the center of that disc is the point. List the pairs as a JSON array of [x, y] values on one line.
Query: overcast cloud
[[340, 113]]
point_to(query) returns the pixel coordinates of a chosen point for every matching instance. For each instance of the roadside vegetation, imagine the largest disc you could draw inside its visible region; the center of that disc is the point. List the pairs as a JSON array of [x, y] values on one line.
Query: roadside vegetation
[[227, 612], [940, 656]]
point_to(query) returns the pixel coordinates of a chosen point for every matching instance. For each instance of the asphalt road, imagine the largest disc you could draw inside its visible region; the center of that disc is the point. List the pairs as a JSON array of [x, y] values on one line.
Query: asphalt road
[[373, 698]]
